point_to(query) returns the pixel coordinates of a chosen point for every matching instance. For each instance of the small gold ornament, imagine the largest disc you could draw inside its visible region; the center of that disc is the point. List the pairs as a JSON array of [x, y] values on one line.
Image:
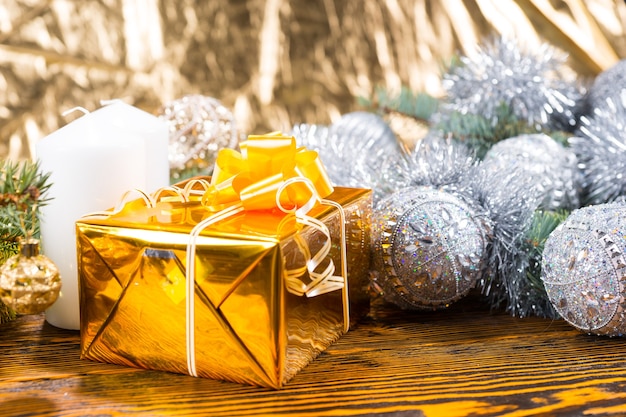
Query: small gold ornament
[[29, 281]]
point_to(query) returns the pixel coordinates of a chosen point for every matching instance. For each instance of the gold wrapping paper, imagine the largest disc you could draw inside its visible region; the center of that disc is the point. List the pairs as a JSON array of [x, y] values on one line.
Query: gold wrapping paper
[[248, 327]]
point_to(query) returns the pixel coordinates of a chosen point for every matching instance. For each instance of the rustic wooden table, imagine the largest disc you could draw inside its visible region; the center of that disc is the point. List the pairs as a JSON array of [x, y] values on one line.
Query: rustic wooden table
[[462, 361]]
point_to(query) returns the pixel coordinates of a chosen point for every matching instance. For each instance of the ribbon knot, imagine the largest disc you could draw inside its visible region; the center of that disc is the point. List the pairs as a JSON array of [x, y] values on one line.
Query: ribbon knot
[[258, 177]]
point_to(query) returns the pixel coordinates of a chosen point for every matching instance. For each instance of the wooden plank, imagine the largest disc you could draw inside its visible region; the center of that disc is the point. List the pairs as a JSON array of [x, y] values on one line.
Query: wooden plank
[[456, 362]]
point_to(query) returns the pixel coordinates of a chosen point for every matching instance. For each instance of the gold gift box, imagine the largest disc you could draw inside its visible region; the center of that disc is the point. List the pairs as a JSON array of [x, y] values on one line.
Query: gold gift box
[[248, 327]]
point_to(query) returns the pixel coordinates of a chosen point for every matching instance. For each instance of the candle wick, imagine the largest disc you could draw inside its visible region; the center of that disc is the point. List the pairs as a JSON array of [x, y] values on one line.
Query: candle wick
[[107, 102], [73, 109]]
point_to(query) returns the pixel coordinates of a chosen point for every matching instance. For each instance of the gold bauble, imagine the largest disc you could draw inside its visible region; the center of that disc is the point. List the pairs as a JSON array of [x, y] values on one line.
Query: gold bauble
[[29, 281]]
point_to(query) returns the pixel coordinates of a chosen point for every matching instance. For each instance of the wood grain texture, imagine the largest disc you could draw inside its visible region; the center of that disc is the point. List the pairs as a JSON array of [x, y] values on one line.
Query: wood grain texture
[[463, 361]]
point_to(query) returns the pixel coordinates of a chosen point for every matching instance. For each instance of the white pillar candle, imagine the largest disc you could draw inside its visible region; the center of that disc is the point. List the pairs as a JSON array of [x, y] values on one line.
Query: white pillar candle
[[92, 162], [154, 132]]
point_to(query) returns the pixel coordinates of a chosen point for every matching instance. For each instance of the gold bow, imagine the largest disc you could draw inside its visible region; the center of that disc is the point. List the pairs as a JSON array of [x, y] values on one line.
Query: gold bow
[[258, 177]]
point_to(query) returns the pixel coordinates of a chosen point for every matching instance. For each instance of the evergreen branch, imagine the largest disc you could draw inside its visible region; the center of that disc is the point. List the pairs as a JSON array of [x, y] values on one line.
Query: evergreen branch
[[477, 131], [419, 106], [8, 248], [481, 133], [543, 223], [23, 191]]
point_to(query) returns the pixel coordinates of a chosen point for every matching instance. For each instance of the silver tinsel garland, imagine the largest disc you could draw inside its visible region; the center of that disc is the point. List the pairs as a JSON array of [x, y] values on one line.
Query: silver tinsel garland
[[510, 198], [520, 175], [600, 145], [436, 162], [532, 83], [426, 236]]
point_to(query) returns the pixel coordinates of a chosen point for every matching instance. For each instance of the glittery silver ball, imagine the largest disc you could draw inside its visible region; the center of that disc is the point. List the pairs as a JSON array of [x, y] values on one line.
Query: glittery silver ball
[[429, 247], [584, 269], [199, 126], [362, 131], [553, 167], [609, 83], [353, 149]]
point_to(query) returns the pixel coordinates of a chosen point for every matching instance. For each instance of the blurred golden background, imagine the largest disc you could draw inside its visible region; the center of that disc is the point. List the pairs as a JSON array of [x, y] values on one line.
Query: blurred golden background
[[273, 62]]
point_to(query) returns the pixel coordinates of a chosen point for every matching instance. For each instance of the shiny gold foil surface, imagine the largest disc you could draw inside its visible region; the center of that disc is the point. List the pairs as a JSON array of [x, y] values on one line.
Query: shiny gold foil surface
[[275, 63], [248, 327]]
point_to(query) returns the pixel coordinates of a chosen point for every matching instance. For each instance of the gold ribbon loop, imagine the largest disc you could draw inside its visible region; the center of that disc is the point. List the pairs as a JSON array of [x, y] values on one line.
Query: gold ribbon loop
[[309, 165], [195, 189], [169, 194], [135, 198]]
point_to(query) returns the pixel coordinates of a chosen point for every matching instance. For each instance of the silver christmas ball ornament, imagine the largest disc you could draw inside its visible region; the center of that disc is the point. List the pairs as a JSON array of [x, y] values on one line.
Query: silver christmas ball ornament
[[584, 269], [429, 247], [609, 83], [553, 167], [199, 126]]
